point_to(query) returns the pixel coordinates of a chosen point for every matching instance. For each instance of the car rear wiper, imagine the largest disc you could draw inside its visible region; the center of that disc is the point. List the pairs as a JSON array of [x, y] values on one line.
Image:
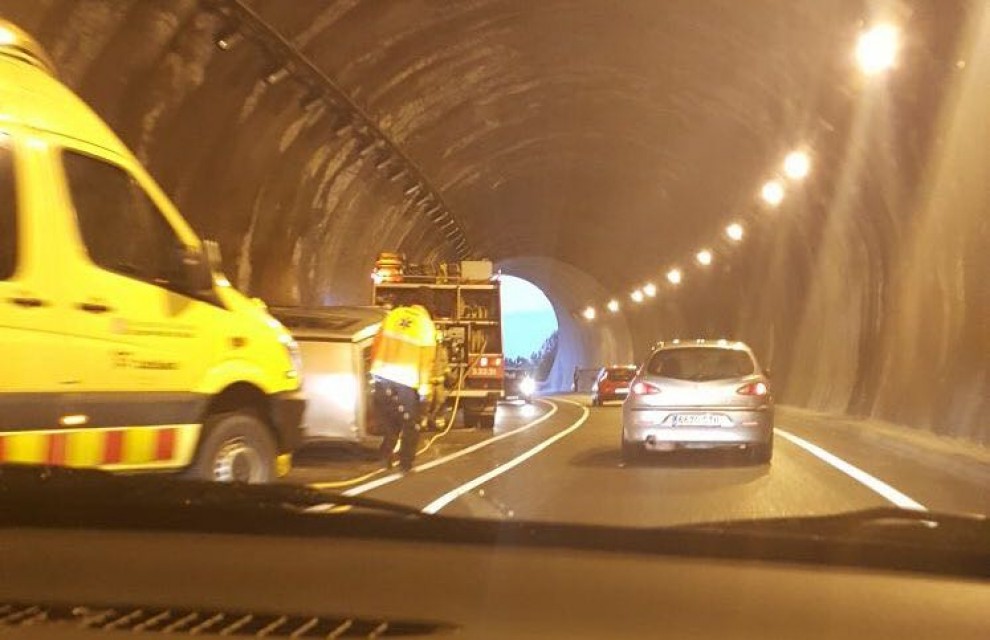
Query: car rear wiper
[[887, 524], [35, 486]]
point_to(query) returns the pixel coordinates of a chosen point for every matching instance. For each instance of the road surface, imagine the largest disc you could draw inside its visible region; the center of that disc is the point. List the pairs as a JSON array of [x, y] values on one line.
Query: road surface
[[559, 461]]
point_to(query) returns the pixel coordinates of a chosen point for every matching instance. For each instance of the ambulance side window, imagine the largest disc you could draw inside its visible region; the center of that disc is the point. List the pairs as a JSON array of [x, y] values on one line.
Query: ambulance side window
[[8, 211], [121, 227]]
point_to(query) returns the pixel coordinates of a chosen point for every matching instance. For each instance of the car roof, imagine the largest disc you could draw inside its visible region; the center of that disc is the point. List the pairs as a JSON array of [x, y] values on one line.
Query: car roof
[[31, 95], [721, 343]]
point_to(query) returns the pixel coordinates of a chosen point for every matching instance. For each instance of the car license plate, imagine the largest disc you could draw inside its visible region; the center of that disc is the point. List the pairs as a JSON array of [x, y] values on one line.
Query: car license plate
[[699, 420], [622, 390]]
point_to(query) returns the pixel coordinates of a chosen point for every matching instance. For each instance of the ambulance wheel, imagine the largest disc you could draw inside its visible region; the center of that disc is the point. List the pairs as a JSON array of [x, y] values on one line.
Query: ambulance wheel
[[237, 447]]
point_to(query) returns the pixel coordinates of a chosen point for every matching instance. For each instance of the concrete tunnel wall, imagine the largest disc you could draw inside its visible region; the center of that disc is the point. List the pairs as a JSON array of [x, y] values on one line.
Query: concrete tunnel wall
[[867, 292]]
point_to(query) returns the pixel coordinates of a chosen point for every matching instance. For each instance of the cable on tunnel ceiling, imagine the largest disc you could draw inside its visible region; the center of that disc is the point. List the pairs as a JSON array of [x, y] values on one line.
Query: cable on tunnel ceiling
[[288, 62]]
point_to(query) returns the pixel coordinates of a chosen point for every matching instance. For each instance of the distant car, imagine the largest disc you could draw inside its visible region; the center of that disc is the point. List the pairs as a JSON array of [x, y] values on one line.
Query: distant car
[[520, 384], [702, 394], [612, 383]]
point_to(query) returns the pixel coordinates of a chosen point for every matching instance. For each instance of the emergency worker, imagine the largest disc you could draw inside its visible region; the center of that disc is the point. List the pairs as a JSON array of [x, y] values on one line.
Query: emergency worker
[[402, 359]]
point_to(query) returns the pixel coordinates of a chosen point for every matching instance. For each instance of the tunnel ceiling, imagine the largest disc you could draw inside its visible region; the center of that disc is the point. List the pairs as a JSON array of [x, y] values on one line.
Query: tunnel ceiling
[[608, 135], [588, 131]]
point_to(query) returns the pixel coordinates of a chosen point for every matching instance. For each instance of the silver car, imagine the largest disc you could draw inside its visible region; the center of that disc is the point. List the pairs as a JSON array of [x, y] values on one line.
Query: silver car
[[699, 394]]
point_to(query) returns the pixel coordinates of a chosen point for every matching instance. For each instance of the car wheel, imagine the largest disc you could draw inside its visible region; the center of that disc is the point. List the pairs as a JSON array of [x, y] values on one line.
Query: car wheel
[[237, 447], [761, 453], [486, 421]]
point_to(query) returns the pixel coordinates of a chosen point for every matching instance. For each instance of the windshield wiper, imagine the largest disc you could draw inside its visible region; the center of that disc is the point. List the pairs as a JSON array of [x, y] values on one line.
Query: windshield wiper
[[32, 486]]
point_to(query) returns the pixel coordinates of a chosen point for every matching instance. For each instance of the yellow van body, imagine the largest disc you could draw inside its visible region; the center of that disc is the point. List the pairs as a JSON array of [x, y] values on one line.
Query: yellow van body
[[121, 347]]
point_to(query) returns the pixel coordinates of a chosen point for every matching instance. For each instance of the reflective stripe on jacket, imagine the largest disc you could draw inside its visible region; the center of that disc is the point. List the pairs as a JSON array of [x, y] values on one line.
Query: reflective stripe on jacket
[[405, 348]]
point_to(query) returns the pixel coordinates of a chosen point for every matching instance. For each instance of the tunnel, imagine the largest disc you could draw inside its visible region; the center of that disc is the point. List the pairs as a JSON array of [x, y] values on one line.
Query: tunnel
[[590, 148]]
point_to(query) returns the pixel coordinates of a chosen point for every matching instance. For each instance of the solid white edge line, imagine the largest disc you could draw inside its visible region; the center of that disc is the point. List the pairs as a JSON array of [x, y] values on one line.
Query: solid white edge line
[[389, 479], [874, 484], [453, 494]]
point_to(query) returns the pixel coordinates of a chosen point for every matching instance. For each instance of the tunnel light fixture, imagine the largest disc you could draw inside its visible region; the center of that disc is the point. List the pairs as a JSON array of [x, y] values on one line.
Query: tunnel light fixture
[[589, 313], [674, 276], [277, 75], [613, 305], [650, 289], [797, 165], [772, 192], [413, 190], [876, 49], [229, 38], [734, 231], [704, 257], [637, 295]]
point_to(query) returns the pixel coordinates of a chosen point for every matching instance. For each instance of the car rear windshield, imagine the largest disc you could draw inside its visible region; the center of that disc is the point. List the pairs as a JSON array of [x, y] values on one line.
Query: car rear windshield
[[620, 375], [697, 363]]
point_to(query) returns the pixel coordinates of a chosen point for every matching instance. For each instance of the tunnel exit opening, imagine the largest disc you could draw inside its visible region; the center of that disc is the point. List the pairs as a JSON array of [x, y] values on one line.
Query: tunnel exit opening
[[529, 327], [580, 344]]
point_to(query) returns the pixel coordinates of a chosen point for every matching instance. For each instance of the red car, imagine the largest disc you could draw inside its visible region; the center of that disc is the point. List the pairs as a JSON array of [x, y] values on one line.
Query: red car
[[612, 383]]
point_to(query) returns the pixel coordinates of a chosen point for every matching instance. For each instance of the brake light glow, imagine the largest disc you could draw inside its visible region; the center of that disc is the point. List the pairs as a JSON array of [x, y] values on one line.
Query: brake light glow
[[753, 389], [645, 389]]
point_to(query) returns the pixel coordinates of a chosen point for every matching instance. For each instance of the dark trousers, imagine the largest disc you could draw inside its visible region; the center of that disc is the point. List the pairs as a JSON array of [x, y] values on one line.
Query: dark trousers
[[399, 411]]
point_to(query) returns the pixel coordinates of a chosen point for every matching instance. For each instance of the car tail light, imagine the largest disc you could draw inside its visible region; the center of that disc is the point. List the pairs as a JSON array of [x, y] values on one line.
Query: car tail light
[[752, 389], [645, 389], [483, 362]]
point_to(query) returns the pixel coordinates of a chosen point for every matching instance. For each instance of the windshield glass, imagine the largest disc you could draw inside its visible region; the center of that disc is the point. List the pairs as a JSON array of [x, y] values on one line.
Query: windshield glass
[[700, 364], [619, 375], [624, 264]]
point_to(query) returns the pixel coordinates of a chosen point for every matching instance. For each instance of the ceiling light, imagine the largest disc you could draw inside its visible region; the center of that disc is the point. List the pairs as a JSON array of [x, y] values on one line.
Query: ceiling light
[[674, 276], [704, 257], [772, 192], [734, 231], [877, 48], [613, 305], [797, 164], [650, 289]]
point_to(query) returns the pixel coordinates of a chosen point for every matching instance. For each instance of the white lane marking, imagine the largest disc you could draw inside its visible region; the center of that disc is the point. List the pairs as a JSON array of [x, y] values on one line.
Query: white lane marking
[[453, 494], [873, 483], [389, 479]]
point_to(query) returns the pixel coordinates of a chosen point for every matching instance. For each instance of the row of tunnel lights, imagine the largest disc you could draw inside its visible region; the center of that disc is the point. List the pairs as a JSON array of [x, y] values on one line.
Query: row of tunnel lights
[[348, 119], [876, 52]]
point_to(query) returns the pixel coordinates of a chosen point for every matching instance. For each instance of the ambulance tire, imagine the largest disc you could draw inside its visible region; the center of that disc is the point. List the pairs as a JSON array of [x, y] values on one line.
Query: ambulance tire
[[237, 447]]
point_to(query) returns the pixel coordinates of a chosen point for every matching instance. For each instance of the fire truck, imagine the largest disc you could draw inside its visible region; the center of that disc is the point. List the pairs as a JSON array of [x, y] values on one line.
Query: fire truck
[[467, 310]]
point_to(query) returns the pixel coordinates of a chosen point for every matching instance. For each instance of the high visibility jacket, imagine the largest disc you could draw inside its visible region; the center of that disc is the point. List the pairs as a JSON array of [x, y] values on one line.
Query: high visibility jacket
[[405, 348]]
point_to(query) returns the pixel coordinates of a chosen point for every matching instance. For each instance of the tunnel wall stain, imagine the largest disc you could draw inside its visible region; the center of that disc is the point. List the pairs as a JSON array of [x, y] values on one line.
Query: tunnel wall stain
[[604, 150]]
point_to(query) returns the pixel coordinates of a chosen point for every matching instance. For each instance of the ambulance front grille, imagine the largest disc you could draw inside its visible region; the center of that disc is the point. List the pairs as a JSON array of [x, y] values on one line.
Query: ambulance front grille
[[161, 620]]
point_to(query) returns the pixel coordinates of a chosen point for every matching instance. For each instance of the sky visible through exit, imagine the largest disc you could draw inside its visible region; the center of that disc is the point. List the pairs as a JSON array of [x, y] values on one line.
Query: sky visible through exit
[[527, 315]]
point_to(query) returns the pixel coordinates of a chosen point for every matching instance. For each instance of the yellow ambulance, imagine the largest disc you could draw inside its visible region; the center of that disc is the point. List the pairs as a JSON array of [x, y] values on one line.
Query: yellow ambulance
[[122, 347]]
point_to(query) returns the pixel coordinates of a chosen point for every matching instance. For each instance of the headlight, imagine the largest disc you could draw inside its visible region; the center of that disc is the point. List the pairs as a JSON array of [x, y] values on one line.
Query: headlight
[[528, 386]]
